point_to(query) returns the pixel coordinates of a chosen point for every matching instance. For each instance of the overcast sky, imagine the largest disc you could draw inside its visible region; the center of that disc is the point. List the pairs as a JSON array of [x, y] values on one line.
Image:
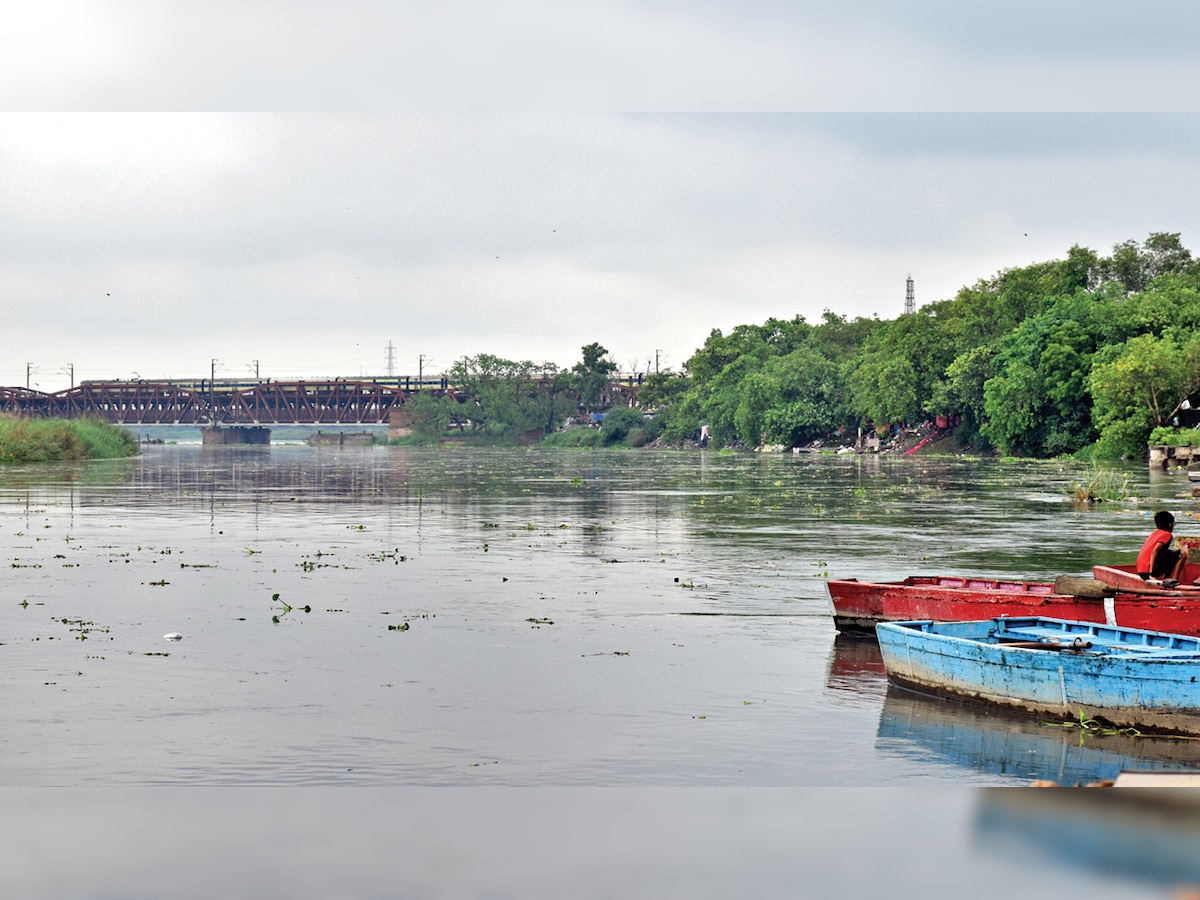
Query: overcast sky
[[812, 158]]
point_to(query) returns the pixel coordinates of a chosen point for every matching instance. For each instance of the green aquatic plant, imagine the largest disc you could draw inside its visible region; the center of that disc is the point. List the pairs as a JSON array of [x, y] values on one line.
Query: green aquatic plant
[[1088, 725], [385, 555], [1099, 485]]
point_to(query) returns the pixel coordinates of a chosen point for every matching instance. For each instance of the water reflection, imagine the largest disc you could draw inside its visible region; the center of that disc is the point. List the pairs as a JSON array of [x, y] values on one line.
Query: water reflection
[[531, 844], [593, 617], [856, 666], [1144, 837], [978, 739]]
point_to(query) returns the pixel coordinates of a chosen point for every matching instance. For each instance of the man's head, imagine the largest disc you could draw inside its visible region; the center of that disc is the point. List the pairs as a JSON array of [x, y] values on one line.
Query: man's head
[[1164, 520]]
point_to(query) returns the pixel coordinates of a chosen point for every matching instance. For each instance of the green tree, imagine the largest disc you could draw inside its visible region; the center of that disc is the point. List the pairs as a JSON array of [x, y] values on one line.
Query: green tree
[[899, 368], [775, 337], [757, 394], [662, 389], [510, 398], [592, 376], [1166, 254], [720, 398], [1140, 385], [1037, 401], [1080, 270], [992, 308], [791, 400], [839, 339], [1013, 403], [883, 389], [431, 415], [1135, 267], [961, 393], [1128, 267]]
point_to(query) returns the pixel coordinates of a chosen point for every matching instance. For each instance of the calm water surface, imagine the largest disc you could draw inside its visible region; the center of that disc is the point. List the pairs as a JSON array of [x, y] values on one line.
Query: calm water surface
[[516, 617]]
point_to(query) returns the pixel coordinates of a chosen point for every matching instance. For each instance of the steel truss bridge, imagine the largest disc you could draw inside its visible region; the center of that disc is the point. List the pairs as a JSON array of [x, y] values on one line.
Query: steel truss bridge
[[337, 402], [341, 401]]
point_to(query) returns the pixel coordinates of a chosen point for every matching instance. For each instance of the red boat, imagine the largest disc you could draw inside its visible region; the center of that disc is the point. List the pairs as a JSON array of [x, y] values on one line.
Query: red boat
[[1127, 578], [1125, 600]]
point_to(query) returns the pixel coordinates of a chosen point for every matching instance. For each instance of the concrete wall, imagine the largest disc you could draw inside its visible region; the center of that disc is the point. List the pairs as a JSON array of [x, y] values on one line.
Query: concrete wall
[[1173, 457]]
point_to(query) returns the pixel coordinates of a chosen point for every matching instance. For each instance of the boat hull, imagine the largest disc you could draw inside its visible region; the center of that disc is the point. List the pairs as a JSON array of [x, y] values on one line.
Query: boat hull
[[1128, 678], [861, 605]]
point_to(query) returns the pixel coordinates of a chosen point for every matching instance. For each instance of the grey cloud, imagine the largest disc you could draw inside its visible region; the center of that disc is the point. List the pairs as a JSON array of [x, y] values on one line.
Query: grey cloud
[[470, 55], [298, 238], [1008, 135]]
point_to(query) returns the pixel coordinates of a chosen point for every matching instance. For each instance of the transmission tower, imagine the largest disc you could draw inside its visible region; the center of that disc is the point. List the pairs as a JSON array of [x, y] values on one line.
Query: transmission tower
[[391, 360], [910, 297]]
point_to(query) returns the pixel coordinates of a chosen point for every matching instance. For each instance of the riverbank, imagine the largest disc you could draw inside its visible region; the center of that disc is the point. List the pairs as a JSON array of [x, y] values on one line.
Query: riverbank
[[54, 440]]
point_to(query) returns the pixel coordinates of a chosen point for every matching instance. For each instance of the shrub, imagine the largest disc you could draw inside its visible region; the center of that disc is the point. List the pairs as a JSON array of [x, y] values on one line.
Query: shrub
[[1165, 436], [655, 427], [577, 436], [619, 422]]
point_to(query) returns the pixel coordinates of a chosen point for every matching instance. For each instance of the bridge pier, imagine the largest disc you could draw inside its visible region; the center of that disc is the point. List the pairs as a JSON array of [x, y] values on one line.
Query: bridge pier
[[235, 434]]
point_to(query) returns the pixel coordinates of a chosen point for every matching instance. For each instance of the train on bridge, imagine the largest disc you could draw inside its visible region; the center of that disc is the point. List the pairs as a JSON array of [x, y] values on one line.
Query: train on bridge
[[340, 401]]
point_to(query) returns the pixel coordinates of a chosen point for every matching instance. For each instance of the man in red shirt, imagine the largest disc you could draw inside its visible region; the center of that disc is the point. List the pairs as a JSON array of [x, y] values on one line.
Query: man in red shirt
[[1157, 559]]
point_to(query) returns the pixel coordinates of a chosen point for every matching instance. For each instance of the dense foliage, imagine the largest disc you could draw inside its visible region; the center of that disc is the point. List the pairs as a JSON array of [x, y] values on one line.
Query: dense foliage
[[1037, 361], [51, 440], [1085, 352], [510, 398], [503, 401]]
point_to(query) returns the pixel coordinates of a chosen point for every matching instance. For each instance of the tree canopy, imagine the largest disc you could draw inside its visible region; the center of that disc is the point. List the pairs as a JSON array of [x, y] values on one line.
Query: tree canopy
[[1087, 351], [1039, 360]]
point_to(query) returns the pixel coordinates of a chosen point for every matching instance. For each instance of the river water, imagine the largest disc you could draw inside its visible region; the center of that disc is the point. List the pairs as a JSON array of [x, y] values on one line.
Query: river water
[[395, 616], [493, 619]]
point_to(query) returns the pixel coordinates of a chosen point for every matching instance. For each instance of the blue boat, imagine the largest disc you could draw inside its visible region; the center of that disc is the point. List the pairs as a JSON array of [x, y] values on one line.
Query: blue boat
[[1124, 677]]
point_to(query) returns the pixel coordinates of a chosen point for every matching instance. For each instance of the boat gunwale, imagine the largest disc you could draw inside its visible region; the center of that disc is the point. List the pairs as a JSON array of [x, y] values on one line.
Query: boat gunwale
[[1020, 627], [1005, 586]]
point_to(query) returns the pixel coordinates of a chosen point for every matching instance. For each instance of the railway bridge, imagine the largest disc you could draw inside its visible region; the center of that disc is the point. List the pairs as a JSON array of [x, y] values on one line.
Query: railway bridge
[[336, 402], [341, 401]]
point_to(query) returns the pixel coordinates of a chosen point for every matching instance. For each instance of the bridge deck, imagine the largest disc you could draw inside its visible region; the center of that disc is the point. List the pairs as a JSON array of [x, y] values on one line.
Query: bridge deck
[[337, 402]]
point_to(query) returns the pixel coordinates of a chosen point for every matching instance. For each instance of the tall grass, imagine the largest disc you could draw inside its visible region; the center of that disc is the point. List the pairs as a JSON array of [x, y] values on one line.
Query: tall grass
[[1102, 484], [52, 440]]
